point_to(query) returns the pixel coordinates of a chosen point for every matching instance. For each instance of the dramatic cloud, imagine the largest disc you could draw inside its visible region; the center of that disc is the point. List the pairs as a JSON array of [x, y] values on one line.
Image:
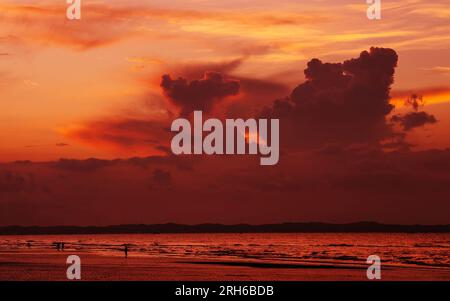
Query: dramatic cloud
[[198, 94], [148, 136], [253, 92], [341, 102], [414, 120]]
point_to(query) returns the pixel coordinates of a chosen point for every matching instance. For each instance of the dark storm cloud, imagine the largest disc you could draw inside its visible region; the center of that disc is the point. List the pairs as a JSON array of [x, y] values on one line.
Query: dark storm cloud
[[340, 102], [414, 119], [254, 92], [198, 94]]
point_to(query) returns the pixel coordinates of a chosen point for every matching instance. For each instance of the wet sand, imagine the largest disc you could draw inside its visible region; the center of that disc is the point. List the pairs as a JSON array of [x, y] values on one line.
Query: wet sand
[[47, 264]]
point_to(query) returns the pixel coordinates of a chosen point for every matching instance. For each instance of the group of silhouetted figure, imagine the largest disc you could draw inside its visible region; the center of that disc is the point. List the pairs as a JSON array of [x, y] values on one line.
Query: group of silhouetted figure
[[59, 246]]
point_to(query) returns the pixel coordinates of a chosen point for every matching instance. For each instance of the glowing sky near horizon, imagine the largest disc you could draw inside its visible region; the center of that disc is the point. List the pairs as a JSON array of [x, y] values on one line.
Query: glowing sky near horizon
[[56, 74]]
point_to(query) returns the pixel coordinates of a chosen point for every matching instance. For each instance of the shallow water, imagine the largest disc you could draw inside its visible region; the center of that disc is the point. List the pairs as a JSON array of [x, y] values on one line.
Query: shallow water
[[399, 249]]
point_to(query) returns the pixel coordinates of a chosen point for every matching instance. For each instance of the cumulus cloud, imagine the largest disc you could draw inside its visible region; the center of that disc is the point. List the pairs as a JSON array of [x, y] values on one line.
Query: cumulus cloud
[[198, 94], [340, 102], [253, 93], [414, 120]]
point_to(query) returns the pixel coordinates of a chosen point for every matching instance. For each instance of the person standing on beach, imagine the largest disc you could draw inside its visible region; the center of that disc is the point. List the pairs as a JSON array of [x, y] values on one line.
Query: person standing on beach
[[126, 251]]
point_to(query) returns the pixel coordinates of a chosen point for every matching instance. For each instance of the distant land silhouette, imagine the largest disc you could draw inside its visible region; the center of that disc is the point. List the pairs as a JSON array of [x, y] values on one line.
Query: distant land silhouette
[[219, 228]]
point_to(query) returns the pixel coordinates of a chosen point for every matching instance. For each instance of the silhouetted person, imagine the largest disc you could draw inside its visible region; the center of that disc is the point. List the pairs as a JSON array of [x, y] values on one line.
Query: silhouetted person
[[62, 246], [126, 251], [57, 245]]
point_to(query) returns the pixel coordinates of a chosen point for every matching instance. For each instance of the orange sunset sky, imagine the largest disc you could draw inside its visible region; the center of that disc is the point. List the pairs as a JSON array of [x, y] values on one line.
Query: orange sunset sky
[[56, 75], [85, 108]]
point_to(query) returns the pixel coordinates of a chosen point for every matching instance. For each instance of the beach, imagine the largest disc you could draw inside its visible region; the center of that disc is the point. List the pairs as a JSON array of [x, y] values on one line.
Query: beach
[[39, 266], [157, 257]]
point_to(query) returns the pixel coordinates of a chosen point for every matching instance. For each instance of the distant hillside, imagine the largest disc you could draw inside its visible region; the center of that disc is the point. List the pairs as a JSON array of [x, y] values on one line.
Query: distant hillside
[[218, 228]]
